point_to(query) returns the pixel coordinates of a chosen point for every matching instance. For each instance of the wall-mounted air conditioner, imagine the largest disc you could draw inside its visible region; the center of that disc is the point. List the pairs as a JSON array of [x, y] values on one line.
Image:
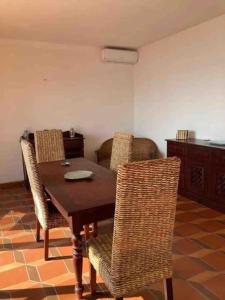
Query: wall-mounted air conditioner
[[121, 56]]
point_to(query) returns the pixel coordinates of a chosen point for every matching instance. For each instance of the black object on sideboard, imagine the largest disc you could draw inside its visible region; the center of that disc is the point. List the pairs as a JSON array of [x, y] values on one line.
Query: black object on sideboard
[[74, 147], [202, 176]]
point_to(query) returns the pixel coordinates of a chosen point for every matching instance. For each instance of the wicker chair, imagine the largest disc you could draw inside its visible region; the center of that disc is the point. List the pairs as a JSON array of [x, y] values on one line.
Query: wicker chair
[[49, 145], [121, 150], [143, 149], [139, 251], [47, 216]]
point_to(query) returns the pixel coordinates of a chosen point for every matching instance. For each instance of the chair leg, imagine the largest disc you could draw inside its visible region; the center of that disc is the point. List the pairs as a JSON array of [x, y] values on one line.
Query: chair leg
[[168, 289], [92, 279], [38, 229], [86, 232], [46, 242], [94, 229]]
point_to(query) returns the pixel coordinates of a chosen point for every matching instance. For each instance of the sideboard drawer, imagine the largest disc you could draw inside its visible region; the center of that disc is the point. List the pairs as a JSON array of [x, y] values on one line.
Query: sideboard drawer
[[175, 149], [198, 153], [218, 156], [73, 144]]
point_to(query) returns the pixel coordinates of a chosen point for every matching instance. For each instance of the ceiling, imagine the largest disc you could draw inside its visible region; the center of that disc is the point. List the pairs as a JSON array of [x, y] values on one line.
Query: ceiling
[[119, 23]]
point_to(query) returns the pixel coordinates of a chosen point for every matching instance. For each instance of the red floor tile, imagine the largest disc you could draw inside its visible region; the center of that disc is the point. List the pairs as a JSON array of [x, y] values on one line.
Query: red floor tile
[[187, 229], [6, 258], [212, 226], [212, 241], [217, 286], [13, 276], [186, 246], [52, 269], [184, 291], [216, 260], [187, 206], [209, 214], [6, 220], [186, 267], [187, 217], [35, 254]]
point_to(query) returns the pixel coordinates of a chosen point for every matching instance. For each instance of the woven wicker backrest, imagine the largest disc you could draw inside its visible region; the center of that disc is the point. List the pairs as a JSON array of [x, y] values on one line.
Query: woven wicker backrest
[[121, 150], [49, 145], [41, 210], [144, 222]]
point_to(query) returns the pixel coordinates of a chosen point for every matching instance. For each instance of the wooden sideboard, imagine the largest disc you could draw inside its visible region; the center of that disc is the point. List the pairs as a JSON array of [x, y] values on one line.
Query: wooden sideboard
[[202, 176], [74, 147]]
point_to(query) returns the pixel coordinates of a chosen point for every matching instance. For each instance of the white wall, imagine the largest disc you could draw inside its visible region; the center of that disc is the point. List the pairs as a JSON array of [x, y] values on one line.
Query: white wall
[[179, 83], [54, 86]]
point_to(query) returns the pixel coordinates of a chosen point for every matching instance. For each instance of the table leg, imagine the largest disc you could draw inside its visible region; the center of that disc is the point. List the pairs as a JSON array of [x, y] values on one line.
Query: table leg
[[78, 263]]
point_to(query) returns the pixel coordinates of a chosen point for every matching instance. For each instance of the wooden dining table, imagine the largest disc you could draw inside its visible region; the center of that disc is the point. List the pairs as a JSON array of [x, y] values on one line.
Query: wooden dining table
[[81, 202]]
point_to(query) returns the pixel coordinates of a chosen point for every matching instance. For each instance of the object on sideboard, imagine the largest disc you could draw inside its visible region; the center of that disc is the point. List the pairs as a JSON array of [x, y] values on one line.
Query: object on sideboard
[[72, 133], [74, 147], [202, 176], [143, 149], [182, 135]]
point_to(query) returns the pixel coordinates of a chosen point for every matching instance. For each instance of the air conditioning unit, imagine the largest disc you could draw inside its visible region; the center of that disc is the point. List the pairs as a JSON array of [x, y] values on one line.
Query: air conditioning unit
[[121, 56]]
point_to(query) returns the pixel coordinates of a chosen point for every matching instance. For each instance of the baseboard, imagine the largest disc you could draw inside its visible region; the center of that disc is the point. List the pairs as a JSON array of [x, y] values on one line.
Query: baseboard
[[11, 185]]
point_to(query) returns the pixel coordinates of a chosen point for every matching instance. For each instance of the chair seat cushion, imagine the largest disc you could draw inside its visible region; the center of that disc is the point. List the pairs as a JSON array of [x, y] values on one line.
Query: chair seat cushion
[[55, 219], [100, 255]]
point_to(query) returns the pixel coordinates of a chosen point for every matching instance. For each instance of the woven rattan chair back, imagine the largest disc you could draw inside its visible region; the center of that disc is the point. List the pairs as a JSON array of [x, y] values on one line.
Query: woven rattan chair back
[[49, 145], [121, 150], [144, 222], [40, 205]]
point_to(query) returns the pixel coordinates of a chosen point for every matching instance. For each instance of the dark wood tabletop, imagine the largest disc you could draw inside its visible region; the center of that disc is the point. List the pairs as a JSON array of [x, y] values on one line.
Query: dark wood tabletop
[[93, 199]]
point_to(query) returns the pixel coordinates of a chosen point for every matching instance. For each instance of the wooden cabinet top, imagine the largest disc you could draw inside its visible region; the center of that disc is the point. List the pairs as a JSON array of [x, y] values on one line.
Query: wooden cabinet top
[[197, 142]]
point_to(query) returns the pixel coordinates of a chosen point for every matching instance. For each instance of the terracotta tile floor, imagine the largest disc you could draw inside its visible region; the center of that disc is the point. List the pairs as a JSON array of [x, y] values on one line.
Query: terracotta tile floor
[[199, 255]]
